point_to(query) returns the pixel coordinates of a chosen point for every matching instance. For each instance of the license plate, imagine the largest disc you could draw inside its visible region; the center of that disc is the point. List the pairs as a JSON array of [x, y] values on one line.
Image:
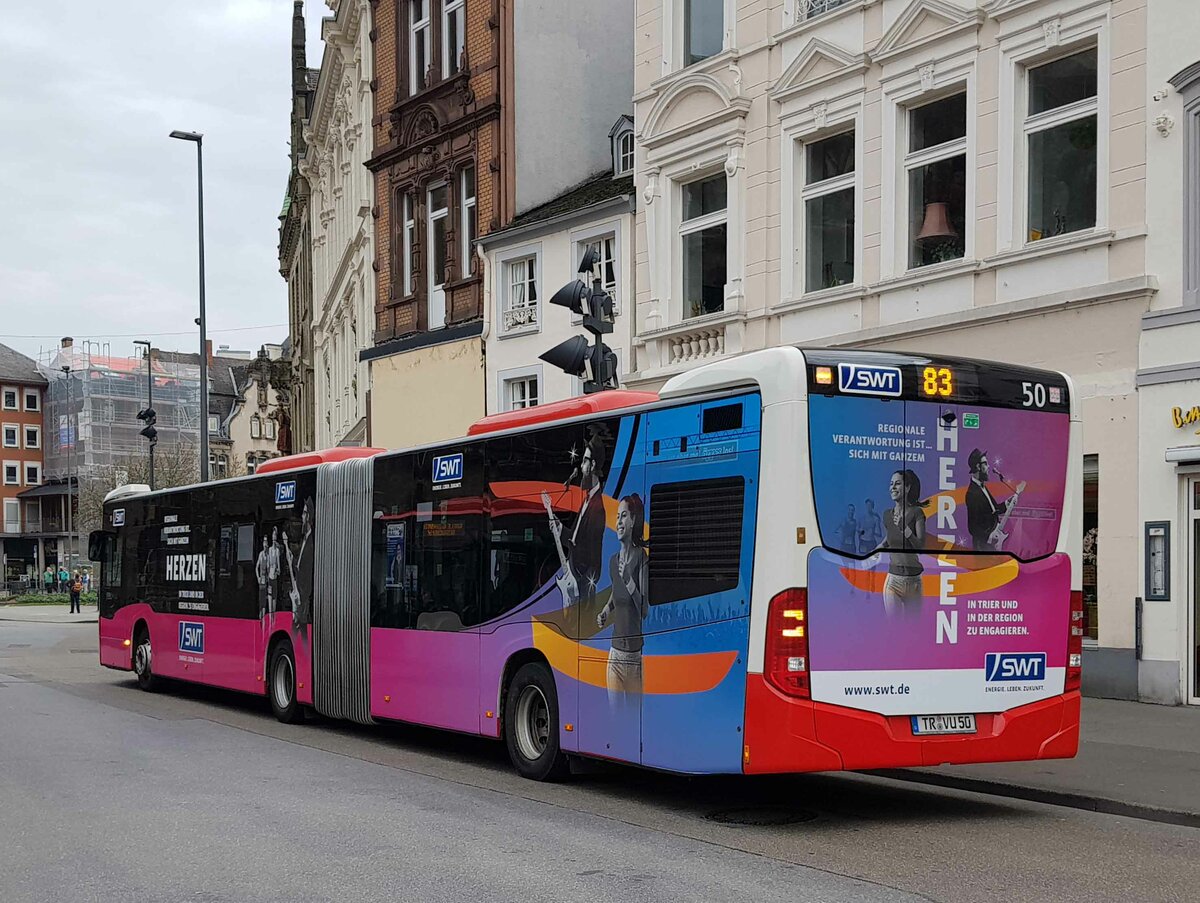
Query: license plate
[[943, 724]]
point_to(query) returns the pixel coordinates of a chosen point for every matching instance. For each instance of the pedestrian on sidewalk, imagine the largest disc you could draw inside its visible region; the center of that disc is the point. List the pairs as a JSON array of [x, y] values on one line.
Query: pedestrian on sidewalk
[[48, 580], [76, 588], [64, 578]]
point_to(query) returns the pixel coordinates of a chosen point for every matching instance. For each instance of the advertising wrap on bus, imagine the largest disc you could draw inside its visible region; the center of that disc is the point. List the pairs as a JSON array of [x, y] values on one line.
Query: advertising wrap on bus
[[937, 588]]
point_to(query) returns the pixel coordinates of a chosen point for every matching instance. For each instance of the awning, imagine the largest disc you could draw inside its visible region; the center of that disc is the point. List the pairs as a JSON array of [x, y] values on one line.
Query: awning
[[1183, 454], [46, 490]]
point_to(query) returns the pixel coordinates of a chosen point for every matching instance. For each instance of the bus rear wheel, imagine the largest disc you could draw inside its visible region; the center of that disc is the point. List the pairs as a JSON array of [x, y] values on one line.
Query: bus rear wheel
[[531, 724], [142, 658], [281, 684]]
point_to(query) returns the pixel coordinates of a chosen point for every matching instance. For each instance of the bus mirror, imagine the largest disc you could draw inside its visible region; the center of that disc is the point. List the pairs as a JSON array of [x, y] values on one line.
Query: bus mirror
[[98, 545]]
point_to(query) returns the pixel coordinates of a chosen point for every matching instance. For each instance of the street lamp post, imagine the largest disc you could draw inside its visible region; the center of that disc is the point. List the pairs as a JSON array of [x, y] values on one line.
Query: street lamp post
[[199, 140], [71, 440], [148, 415]]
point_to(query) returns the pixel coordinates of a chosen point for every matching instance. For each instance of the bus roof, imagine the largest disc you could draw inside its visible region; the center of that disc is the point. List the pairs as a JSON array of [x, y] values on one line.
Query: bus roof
[[599, 403], [313, 458]]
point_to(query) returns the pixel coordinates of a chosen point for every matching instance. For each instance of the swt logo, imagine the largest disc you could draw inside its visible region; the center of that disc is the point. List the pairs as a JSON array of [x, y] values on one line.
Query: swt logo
[[868, 379], [1027, 666], [447, 468], [285, 493], [191, 637]]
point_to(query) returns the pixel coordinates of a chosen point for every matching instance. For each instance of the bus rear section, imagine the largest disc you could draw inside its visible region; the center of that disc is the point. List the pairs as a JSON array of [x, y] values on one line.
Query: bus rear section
[[940, 616]]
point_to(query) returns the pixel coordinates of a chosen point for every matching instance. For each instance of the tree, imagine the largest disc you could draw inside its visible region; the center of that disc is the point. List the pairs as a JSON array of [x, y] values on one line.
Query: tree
[[175, 464]]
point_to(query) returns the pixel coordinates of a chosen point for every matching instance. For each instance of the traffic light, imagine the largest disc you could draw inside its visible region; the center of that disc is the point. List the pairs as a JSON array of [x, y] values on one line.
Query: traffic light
[[596, 364], [151, 418]]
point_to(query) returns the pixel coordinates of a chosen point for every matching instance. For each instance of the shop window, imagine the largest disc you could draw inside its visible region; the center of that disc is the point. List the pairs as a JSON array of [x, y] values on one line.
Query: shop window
[[828, 196], [703, 228], [1091, 507], [936, 167]]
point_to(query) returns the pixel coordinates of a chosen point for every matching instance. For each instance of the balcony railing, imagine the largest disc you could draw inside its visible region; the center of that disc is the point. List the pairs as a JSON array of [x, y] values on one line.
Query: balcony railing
[[810, 9], [520, 317]]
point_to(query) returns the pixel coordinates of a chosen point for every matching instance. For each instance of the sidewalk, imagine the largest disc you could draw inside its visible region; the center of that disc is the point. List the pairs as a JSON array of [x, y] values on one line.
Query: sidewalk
[[47, 614], [1134, 759]]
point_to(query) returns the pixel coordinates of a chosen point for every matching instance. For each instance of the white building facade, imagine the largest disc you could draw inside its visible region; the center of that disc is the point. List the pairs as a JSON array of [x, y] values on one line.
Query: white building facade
[[945, 176], [338, 138]]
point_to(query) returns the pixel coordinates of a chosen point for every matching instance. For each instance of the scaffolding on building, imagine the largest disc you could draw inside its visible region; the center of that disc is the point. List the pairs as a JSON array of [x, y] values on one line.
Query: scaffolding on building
[[93, 400]]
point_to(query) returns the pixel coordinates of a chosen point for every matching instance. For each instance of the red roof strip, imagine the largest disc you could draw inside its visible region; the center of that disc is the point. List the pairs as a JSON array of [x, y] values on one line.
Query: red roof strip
[[312, 459], [597, 403]]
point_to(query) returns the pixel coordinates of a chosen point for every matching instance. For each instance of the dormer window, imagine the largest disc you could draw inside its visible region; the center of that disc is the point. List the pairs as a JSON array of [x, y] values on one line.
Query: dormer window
[[623, 147]]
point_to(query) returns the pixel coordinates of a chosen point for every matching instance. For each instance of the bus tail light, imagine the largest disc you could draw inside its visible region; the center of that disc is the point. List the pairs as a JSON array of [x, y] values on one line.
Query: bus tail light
[[1075, 643], [787, 643]]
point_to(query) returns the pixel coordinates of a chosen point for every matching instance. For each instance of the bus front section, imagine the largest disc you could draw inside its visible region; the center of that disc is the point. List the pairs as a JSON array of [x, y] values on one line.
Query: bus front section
[[941, 619]]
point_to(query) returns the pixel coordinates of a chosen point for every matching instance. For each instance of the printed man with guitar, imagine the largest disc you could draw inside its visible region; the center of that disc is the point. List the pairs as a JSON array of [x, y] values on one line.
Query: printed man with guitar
[[581, 549], [985, 516]]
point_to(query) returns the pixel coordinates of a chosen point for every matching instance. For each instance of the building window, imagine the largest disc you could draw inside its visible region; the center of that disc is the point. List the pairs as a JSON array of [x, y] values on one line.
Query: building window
[[810, 9], [453, 37], [214, 423], [467, 221], [33, 400], [269, 427], [936, 167], [12, 516], [10, 399], [828, 196], [439, 222], [625, 154], [255, 427], [12, 432], [606, 264], [1060, 126], [521, 295], [1091, 521], [12, 473], [33, 473], [33, 437], [409, 241], [218, 466], [521, 392], [420, 29], [703, 29], [702, 233], [33, 517]]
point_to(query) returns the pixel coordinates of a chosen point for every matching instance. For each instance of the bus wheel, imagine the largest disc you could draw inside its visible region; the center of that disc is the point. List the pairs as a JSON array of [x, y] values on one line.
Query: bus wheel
[[142, 655], [281, 683], [531, 724]]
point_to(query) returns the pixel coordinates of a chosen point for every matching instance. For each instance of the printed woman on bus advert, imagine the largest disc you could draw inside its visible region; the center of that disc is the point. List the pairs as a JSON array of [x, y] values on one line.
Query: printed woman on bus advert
[[627, 606]]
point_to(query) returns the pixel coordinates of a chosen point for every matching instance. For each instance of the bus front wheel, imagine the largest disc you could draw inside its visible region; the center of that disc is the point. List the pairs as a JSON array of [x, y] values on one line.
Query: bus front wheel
[[142, 658], [281, 684], [531, 724]]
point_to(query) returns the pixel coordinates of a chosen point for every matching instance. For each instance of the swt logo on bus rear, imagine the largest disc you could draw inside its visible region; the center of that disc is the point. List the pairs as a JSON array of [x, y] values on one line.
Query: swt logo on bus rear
[[285, 493], [1002, 666], [447, 469], [191, 637], [869, 379]]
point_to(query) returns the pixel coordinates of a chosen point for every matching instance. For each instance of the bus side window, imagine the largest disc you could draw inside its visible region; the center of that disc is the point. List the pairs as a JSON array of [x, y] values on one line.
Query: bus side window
[[695, 538]]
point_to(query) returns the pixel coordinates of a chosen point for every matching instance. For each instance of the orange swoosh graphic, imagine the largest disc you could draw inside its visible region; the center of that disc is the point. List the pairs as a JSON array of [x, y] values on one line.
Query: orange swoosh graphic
[[966, 583], [662, 674]]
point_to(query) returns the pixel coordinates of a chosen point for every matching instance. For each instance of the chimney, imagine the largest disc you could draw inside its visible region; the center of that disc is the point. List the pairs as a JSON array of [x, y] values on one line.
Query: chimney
[[67, 342], [208, 349]]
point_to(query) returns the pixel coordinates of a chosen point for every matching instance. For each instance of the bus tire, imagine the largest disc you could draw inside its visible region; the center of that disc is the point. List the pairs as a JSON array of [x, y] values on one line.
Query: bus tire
[[281, 684], [143, 659], [531, 724]]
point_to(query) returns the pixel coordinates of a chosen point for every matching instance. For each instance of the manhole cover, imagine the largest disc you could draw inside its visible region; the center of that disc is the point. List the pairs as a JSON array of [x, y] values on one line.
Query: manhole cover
[[762, 816]]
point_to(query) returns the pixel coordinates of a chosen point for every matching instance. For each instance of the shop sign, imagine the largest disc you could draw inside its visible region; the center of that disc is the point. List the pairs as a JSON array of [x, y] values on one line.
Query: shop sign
[[1182, 418]]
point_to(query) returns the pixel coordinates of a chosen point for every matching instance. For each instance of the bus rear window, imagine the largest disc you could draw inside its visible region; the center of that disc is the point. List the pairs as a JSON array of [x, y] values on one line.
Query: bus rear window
[[894, 475], [695, 538]]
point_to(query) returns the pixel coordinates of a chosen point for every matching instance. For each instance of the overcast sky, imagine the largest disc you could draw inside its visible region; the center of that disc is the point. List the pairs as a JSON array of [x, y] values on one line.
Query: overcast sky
[[98, 205]]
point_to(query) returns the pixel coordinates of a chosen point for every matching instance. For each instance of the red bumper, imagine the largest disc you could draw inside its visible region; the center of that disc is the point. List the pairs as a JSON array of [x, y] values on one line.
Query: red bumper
[[794, 735]]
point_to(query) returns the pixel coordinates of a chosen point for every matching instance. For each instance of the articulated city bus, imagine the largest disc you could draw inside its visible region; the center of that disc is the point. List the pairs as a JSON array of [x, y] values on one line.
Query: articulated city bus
[[788, 561]]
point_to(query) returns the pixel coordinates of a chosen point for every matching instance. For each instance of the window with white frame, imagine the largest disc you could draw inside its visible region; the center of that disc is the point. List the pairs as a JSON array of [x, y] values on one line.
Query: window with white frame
[[419, 32], [521, 292], [703, 29], [12, 435], [1060, 129], [10, 398], [12, 473], [439, 224], [809, 9], [520, 392], [829, 204], [33, 473], [625, 154], [936, 171], [703, 245], [33, 517], [454, 36], [33, 400], [269, 427], [218, 466], [12, 516], [33, 437], [468, 223], [605, 248], [255, 427], [214, 423], [409, 239]]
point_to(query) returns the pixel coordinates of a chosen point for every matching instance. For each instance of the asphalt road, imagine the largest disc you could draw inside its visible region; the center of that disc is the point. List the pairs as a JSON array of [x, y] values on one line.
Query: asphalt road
[[107, 793]]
